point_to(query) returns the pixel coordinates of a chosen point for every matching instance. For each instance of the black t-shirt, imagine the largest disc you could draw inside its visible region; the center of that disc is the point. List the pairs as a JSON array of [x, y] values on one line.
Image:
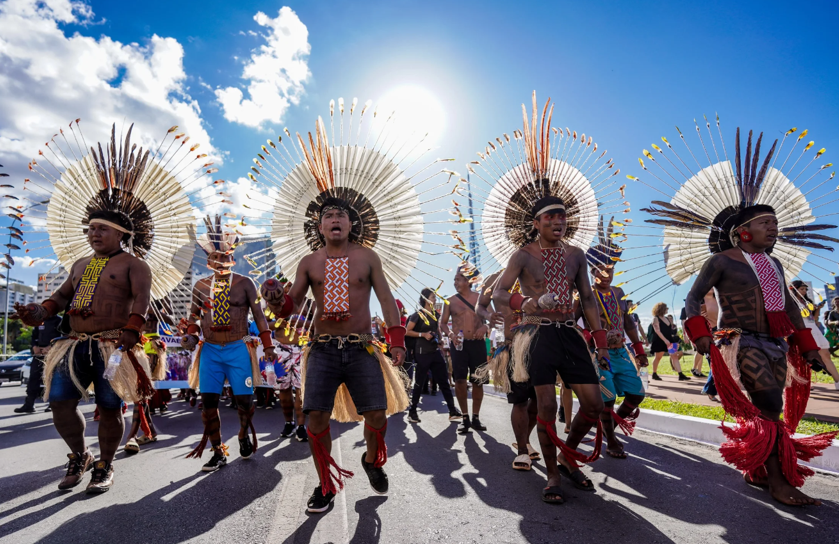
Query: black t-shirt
[[46, 333], [420, 326], [684, 315]]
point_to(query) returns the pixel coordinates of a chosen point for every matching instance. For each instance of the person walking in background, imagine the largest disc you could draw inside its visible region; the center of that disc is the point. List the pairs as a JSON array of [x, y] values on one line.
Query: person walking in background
[[666, 340], [698, 358], [831, 319], [809, 312], [42, 335]]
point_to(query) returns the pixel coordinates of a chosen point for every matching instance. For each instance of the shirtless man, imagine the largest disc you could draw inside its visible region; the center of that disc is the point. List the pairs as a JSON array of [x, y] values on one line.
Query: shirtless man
[[620, 377], [548, 270], [466, 358], [752, 298], [111, 305], [521, 395], [341, 276], [221, 303]]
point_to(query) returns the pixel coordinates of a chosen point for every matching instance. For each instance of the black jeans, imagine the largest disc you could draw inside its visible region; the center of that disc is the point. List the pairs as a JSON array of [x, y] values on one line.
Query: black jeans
[[35, 387], [439, 371]]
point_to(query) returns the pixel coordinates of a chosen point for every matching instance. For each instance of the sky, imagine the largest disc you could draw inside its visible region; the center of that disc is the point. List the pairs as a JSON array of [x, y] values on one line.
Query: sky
[[234, 74]]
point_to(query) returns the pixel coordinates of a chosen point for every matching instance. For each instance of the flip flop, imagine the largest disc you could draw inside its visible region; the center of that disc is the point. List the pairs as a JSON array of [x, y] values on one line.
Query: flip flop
[[552, 490], [145, 440], [577, 478], [522, 462], [531, 451], [131, 447], [616, 454]]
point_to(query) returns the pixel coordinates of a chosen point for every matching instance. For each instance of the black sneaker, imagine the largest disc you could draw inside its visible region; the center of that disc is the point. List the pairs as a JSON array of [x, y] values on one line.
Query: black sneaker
[[697, 373], [302, 435], [288, 430], [656, 376], [245, 447], [412, 416], [218, 460], [476, 424], [465, 425], [683, 378], [455, 415], [25, 409], [561, 414], [102, 478], [319, 502], [377, 476], [47, 409]]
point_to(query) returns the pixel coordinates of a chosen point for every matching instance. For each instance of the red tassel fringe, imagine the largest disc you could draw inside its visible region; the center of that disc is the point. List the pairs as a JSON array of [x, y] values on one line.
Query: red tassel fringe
[[145, 389], [796, 394], [779, 324], [144, 422], [330, 482], [199, 451], [381, 447], [627, 424], [573, 456]]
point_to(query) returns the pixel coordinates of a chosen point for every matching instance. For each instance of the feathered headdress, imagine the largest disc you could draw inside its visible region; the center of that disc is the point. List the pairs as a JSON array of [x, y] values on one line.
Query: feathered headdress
[[147, 186], [216, 239], [367, 177], [605, 251], [700, 216], [540, 161]]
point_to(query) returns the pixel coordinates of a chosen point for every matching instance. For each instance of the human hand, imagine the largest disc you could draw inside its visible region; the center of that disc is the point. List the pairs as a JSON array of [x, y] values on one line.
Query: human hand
[[30, 314], [530, 306], [815, 361], [495, 318], [642, 360], [270, 355], [397, 355], [703, 345], [427, 335], [189, 342], [128, 339], [603, 358]]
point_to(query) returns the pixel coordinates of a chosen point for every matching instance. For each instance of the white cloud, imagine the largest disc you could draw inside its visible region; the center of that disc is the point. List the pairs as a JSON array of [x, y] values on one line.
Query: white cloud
[[49, 78], [275, 73]]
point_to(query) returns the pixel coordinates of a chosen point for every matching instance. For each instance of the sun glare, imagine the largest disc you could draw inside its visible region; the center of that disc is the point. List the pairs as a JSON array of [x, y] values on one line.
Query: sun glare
[[418, 112]]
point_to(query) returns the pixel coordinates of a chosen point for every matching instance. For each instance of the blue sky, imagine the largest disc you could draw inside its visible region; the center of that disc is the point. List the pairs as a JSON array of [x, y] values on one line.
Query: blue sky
[[624, 72]]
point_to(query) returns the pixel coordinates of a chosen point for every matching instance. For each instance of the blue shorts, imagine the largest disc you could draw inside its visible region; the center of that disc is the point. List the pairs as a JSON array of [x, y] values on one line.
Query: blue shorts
[[328, 367], [89, 368], [623, 378], [231, 361]]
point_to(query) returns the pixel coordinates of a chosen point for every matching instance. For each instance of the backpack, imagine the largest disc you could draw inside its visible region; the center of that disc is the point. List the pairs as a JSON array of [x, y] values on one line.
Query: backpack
[[650, 332]]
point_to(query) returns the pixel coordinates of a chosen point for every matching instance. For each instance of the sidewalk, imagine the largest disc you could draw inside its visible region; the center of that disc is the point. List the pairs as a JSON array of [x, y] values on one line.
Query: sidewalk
[[823, 404]]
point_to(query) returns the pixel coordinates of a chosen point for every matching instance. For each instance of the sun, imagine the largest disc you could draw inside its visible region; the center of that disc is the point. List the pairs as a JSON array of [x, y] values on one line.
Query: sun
[[418, 111]]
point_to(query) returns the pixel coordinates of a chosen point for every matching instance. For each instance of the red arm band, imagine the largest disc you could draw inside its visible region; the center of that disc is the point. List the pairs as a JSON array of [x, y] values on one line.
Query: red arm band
[[600, 339], [288, 307], [516, 300], [587, 336], [397, 336], [193, 329], [267, 341], [803, 339], [697, 327], [51, 306], [135, 323], [638, 349]]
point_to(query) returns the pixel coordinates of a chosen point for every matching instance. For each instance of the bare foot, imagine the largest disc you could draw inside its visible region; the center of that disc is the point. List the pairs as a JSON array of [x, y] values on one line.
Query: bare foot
[[757, 482], [787, 494]]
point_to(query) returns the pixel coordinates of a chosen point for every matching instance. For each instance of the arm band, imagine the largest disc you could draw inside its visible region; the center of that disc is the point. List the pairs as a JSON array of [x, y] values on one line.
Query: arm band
[[51, 306], [397, 336], [803, 340], [193, 329], [267, 341], [638, 348], [697, 327], [135, 323], [600, 339], [516, 300]]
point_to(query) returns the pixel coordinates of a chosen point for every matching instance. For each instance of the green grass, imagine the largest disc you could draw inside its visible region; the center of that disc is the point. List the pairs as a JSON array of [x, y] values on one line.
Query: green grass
[[808, 425], [687, 364]]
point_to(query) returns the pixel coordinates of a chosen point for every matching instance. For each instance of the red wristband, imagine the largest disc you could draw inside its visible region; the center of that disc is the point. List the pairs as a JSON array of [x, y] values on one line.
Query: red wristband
[[288, 307], [697, 327], [267, 341], [600, 339], [516, 300], [135, 323], [51, 306], [193, 329], [397, 336], [803, 340], [638, 349]]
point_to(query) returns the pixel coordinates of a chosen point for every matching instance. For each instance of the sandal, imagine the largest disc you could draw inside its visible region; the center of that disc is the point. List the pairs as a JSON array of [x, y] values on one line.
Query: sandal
[[616, 454], [131, 446], [577, 478], [145, 440], [521, 462], [552, 490], [531, 451]]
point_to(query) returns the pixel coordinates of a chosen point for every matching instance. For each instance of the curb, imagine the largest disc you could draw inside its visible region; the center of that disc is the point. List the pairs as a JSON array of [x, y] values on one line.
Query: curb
[[706, 431]]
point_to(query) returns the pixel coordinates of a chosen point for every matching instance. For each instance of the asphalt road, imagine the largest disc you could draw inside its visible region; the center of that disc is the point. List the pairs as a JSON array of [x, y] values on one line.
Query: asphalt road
[[444, 488]]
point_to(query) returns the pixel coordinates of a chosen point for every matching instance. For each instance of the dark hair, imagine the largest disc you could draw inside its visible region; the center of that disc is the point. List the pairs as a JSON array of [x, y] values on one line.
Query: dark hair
[[545, 201], [749, 213], [797, 285], [114, 216], [334, 202], [425, 294]]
